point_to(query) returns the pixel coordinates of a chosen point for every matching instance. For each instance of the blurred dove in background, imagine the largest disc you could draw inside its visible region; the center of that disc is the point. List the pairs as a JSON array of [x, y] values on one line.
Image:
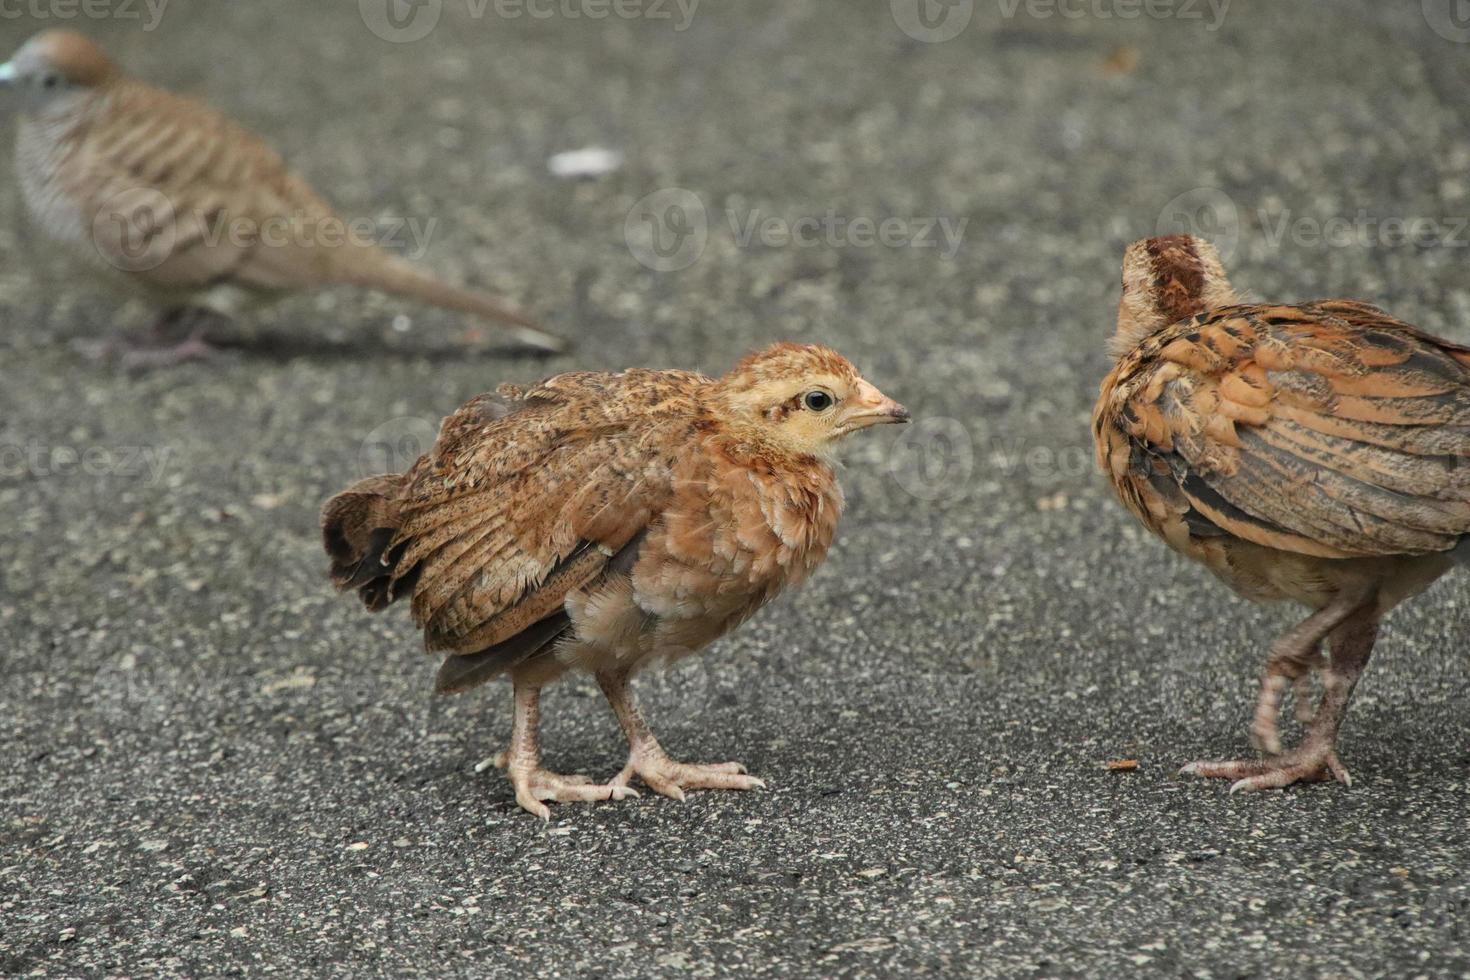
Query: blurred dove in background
[[168, 198]]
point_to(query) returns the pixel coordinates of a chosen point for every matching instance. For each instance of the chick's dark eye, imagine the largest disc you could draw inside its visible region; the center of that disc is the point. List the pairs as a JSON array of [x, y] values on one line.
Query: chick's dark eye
[[817, 401]]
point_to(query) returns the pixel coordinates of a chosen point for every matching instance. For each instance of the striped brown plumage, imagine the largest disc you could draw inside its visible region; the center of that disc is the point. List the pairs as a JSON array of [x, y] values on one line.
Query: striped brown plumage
[[1317, 452], [604, 522], [165, 196]]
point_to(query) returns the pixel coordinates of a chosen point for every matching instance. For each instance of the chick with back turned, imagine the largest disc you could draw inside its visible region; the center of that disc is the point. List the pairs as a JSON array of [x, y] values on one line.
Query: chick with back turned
[[1318, 453], [165, 198], [603, 522]]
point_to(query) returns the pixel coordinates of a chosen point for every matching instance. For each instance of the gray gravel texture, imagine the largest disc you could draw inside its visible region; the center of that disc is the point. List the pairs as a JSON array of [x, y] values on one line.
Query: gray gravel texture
[[214, 765]]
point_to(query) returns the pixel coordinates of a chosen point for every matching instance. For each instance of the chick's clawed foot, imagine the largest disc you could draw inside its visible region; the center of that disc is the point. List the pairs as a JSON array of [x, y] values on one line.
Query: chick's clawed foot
[[670, 778], [1307, 764], [533, 785]]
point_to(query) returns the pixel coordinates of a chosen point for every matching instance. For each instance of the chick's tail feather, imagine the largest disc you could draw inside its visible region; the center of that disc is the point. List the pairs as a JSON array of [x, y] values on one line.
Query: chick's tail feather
[[358, 528], [375, 269], [460, 673]]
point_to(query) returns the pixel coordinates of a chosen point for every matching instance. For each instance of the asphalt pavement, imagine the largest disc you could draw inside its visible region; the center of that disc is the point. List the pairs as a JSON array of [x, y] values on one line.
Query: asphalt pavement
[[211, 764]]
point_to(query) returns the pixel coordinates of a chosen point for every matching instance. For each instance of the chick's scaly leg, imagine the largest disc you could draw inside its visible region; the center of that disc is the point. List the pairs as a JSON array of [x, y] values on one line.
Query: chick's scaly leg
[[1315, 760], [522, 764], [1293, 658], [647, 759]]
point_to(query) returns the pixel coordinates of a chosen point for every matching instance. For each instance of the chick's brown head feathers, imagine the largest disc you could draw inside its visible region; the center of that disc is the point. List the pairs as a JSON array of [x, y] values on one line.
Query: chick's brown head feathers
[[802, 398], [1318, 452], [1164, 280], [604, 521]]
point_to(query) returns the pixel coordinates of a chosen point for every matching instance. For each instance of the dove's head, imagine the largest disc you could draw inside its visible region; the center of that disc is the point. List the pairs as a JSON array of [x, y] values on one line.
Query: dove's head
[[1165, 280], [54, 69], [803, 398]]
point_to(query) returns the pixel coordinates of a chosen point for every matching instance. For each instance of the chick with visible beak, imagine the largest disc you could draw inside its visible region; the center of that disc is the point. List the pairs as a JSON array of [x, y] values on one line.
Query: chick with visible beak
[[871, 407]]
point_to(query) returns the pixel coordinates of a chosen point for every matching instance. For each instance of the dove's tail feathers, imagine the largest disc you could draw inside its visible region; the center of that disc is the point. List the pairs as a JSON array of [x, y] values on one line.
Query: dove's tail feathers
[[358, 528], [389, 274]]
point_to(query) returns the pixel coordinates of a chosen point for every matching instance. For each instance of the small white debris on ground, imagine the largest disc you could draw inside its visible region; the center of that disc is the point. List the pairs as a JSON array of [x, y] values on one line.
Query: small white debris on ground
[[591, 161]]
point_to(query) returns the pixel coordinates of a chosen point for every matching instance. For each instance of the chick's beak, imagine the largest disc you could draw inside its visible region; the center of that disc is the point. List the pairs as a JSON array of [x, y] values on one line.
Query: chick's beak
[[871, 407]]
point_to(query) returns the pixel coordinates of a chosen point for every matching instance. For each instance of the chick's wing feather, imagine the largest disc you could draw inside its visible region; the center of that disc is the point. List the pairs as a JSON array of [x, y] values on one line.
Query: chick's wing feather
[[1329, 429], [527, 498]]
